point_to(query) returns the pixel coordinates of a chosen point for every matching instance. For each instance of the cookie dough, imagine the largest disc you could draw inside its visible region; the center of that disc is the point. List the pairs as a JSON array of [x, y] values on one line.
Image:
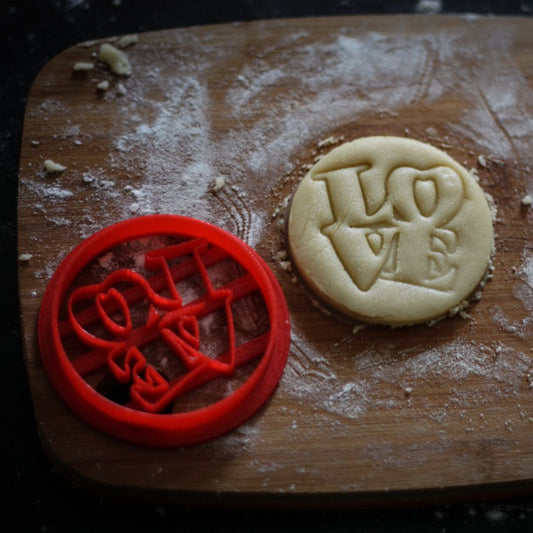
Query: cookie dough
[[390, 230], [115, 59]]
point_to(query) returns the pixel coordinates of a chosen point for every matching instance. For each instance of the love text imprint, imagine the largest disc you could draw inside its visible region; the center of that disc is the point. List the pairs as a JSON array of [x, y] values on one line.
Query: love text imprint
[[395, 228]]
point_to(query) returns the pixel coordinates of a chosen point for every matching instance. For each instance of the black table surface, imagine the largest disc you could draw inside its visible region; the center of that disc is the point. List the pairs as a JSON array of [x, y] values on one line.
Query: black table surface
[[39, 498]]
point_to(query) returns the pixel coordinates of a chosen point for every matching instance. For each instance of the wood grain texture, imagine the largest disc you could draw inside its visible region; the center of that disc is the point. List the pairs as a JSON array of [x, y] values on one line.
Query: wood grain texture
[[361, 415]]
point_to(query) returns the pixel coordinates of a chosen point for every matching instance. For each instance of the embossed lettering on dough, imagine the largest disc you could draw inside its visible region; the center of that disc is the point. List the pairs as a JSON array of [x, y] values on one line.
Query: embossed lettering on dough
[[405, 238]]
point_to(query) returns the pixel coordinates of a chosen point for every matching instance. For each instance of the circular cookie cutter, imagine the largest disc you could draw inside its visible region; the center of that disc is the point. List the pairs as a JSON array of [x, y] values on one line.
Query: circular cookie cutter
[[390, 230], [181, 343]]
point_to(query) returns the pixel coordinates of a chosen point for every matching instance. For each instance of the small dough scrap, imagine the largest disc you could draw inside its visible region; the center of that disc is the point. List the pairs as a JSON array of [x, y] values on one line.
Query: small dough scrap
[[219, 184], [83, 66], [51, 166], [128, 40], [116, 59], [390, 230]]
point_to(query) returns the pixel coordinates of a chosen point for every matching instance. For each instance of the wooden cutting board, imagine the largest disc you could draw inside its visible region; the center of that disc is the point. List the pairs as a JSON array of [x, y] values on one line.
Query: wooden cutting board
[[362, 415]]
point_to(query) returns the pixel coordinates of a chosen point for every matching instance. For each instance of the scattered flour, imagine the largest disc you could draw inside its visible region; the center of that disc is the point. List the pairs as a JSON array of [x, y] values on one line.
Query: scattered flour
[[381, 373], [167, 154], [527, 270], [523, 297], [178, 155], [50, 193]]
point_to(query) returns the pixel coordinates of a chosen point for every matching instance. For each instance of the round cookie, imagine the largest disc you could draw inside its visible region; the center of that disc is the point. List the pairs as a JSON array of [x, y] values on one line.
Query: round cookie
[[390, 230]]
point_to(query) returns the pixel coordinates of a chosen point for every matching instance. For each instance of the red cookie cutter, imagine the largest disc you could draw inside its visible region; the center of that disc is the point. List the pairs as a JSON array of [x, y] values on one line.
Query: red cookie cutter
[[97, 332]]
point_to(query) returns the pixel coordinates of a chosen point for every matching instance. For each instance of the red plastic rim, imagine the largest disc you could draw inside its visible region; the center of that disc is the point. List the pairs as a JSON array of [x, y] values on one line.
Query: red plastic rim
[[89, 331]]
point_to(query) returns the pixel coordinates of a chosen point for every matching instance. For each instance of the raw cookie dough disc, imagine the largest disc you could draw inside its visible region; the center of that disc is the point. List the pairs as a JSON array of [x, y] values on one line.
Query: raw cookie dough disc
[[390, 230]]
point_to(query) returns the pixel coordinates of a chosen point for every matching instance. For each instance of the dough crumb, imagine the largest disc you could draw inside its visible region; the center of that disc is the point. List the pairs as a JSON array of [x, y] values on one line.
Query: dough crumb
[[460, 310], [464, 315], [282, 206], [482, 161], [281, 255], [526, 200], [475, 175], [121, 90], [128, 40], [492, 206], [24, 258], [328, 142], [83, 66], [52, 166], [286, 265], [219, 184], [103, 85], [115, 59]]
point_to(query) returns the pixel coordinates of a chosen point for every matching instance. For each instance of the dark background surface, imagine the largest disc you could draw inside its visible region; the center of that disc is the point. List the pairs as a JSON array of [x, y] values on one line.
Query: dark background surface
[[38, 497]]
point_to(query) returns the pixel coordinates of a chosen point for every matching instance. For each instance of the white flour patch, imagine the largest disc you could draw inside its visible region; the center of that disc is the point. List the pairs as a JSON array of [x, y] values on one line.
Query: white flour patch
[[48, 191], [499, 120], [382, 379], [313, 100], [173, 140], [522, 293], [278, 101], [527, 270], [166, 149]]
